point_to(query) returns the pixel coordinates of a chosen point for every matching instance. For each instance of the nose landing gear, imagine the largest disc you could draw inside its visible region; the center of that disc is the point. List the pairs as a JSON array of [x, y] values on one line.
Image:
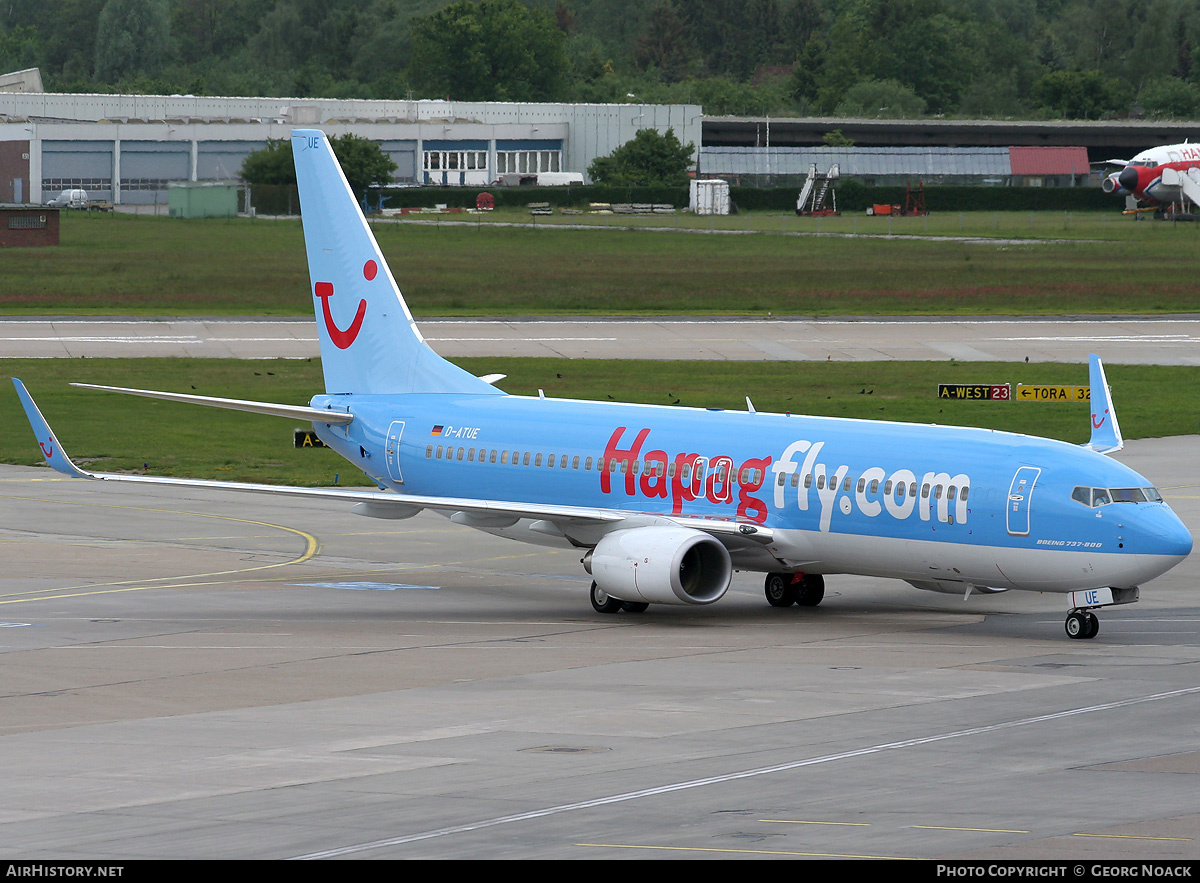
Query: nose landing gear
[[1082, 624]]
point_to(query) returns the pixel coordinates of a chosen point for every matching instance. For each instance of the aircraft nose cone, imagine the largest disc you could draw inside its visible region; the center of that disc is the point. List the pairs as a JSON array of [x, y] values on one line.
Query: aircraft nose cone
[[1180, 540], [1167, 535], [1128, 178]]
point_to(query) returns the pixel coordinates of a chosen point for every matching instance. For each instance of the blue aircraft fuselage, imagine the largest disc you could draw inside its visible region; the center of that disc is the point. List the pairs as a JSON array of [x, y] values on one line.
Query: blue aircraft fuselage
[[949, 503]]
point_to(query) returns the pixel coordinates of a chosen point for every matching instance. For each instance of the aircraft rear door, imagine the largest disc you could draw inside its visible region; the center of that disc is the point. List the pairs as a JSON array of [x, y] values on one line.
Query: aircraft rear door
[[1019, 494], [392, 448]]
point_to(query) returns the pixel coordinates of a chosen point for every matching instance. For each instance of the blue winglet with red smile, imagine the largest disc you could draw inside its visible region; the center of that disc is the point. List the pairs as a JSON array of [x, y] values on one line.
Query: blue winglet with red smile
[[51, 449]]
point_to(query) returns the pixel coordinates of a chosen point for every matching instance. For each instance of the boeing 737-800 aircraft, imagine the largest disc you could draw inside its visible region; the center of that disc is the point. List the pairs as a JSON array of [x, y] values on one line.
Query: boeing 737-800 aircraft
[[664, 503]]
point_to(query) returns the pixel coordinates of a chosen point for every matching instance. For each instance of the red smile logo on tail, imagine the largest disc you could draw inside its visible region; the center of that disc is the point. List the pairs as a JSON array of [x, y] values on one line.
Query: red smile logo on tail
[[340, 338], [324, 290]]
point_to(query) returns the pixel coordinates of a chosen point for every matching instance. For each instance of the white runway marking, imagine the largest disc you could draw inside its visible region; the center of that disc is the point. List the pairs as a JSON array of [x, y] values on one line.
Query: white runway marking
[[743, 774]]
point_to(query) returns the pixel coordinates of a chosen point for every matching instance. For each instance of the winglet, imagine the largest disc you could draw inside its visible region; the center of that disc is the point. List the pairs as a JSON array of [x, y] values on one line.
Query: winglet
[[1106, 432], [51, 449]]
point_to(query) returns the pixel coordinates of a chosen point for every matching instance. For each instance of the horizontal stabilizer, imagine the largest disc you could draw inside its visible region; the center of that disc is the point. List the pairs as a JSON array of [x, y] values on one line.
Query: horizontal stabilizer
[[1106, 432], [299, 412]]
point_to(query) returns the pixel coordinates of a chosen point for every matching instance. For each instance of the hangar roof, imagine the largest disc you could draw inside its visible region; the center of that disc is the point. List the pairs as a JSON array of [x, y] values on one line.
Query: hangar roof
[[859, 161], [1049, 160]]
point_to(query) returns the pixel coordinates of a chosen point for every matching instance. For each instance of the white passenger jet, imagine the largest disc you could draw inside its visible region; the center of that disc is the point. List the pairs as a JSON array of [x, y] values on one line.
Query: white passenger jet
[[664, 503], [1162, 175]]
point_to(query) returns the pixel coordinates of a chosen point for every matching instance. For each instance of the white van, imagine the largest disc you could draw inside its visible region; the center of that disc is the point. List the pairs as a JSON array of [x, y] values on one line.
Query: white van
[[70, 199]]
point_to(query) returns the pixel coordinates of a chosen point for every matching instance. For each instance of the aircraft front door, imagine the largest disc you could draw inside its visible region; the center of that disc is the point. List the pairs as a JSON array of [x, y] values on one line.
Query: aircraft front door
[[392, 447], [1019, 494]]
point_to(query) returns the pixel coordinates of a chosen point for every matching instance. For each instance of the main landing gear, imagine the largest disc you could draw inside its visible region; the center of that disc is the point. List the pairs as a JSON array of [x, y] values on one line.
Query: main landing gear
[[786, 589], [602, 602], [1082, 624]]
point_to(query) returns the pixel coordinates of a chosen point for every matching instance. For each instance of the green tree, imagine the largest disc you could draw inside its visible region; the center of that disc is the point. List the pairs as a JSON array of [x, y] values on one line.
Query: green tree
[[649, 159], [666, 46], [362, 160], [918, 43], [132, 37], [18, 48], [885, 99], [1076, 95], [493, 50], [271, 165], [1171, 97]]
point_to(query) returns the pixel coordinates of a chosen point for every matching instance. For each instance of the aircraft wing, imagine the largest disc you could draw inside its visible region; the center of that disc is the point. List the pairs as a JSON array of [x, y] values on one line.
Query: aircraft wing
[[312, 415], [387, 504]]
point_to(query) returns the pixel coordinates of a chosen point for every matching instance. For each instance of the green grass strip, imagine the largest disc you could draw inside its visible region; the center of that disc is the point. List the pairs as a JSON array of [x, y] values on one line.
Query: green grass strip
[[110, 432], [146, 266]]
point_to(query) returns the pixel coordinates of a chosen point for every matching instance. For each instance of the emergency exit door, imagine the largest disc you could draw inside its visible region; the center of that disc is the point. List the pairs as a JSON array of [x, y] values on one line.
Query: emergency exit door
[[1019, 494], [392, 449]]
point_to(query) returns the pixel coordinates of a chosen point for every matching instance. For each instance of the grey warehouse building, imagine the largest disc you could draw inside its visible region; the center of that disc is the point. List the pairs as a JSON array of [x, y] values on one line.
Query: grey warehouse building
[[127, 148]]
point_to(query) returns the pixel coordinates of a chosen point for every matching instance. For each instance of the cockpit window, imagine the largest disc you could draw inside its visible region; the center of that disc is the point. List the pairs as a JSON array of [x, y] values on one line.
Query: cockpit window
[[1102, 496]]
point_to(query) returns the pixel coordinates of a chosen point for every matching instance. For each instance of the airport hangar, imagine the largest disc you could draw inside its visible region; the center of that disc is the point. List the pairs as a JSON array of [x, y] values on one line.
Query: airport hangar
[[51, 141]]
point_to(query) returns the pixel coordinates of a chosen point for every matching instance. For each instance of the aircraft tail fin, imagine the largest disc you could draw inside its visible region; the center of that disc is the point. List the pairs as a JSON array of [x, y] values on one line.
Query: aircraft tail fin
[[369, 341], [1106, 432]]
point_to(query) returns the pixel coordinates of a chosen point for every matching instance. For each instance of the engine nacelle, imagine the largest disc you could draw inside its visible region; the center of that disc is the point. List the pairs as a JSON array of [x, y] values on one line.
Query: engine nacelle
[[661, 565]]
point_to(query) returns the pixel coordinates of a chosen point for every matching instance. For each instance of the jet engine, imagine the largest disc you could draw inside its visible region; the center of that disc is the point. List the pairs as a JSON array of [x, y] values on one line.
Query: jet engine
[[660, 565], [1135, 179]]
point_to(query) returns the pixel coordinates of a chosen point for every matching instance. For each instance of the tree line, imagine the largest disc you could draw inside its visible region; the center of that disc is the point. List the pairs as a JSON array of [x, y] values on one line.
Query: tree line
[[1074, 59]]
